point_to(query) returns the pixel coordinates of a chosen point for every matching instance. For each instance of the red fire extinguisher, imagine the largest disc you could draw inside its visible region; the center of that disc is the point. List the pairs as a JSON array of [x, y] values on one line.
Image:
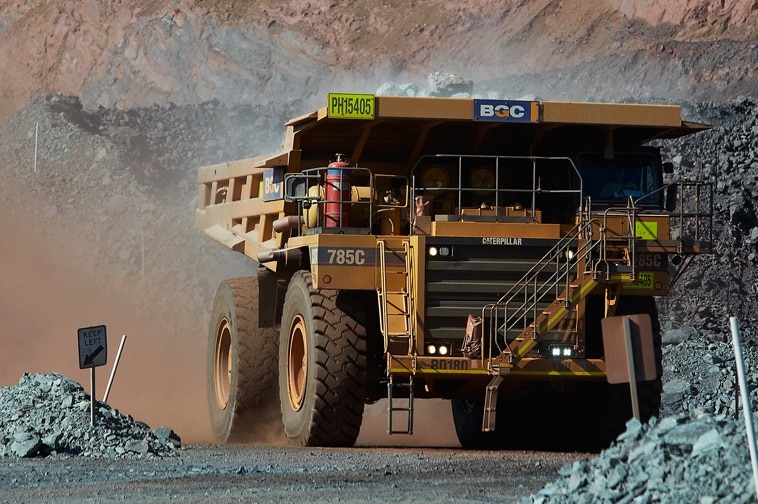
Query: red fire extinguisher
[[337, 194]]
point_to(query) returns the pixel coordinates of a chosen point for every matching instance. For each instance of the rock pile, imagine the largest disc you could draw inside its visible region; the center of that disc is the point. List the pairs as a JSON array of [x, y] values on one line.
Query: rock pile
[[696, 452], [50, 414], [677, 459]]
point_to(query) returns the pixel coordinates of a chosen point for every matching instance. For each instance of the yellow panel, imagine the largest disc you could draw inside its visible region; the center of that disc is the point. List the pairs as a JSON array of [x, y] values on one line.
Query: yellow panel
[[611, 113], [494, 229], [425, 108], [646, 230]]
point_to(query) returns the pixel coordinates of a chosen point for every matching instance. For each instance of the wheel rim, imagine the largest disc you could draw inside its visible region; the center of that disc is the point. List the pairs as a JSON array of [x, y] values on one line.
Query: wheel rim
[[223, 364], [297, 363]]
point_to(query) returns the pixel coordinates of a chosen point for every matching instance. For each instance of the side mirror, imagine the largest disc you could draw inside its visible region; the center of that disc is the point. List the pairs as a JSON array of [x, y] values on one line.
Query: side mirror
[[671, 194], [668, 167], [296, 186]]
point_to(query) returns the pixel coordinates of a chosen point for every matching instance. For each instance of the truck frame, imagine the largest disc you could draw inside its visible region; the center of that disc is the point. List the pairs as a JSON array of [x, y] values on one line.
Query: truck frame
[[455, 248]]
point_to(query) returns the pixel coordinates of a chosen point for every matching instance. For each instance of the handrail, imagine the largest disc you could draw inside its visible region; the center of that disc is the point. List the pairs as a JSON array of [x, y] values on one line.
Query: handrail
[[534, 289], [695, 204], [536, 284], [383, 318], [299, 187], [574, 186]]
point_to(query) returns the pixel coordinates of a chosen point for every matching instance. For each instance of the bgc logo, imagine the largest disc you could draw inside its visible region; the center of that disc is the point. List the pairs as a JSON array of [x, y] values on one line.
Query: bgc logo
[[272, 184], [506, 111]]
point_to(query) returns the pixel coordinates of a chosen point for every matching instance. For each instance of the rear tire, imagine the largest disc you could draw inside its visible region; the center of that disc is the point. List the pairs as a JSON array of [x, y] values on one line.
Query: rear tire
[[241, 368], [322, 364]]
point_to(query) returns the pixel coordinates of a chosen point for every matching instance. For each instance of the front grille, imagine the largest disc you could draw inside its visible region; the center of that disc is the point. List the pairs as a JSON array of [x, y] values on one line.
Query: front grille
[[473, 276]]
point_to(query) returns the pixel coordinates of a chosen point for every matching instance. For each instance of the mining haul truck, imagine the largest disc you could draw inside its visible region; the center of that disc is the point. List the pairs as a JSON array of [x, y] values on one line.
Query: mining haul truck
[[501, 254]]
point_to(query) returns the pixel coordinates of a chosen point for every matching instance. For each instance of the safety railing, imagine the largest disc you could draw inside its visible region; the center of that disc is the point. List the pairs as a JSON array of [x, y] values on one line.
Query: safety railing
[[545, 282]]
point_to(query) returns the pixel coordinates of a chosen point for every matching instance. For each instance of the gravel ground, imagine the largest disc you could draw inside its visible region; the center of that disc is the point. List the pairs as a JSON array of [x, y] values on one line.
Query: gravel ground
[[205, 473]]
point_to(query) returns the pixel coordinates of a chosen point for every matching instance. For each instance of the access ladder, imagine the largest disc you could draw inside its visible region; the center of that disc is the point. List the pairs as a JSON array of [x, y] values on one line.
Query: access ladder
[[396, 321]]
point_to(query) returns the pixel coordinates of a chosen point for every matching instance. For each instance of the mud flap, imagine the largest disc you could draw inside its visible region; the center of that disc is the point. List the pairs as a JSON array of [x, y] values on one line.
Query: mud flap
[[271, 302]]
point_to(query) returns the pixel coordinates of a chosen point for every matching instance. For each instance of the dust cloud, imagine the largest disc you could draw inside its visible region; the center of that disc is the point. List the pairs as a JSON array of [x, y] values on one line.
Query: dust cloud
[[46, 295]]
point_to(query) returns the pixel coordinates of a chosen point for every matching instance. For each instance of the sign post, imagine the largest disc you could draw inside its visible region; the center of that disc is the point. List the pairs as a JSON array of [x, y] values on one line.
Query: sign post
[[93, 352]]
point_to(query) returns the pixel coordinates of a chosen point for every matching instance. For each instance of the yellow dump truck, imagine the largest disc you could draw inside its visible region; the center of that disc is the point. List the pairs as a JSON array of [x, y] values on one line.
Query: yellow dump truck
[[463, 249]]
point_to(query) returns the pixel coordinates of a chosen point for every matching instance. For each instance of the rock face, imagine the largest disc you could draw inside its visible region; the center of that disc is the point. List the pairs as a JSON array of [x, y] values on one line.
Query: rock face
[[136, 53], [724, 283], [49, 414]]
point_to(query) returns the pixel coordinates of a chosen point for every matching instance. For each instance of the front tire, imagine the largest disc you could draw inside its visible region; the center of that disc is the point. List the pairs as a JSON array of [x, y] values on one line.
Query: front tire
[[468, 413], [610, 404], [241, 368], [322, 364]]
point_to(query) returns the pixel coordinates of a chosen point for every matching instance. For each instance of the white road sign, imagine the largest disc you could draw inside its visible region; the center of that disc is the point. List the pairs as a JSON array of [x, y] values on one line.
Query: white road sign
[[93, 347]]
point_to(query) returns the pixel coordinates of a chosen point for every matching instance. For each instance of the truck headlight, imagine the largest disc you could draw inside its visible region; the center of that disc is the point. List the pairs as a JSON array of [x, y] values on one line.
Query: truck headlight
[[441, 349], [561, 351], [442, 251]]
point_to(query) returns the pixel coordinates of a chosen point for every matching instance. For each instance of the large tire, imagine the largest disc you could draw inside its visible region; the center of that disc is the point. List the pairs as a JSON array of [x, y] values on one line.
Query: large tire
[[468, 414], [242, 366], [580, 416], [649, 392], [610, 405], [322, 364]]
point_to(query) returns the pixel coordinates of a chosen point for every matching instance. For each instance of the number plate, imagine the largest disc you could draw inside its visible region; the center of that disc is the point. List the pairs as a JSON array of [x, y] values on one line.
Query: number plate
[[645, 280]]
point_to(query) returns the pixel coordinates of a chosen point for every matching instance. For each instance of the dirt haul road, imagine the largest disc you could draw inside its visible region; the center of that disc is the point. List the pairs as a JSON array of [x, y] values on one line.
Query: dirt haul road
[[211, 473]]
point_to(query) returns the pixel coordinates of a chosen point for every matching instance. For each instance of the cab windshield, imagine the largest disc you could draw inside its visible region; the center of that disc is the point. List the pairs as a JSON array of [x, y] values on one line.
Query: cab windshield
[[614, 181]]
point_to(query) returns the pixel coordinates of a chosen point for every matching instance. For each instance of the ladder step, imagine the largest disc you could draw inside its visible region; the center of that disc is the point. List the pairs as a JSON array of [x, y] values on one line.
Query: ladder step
[[407, 409], [490, 404]]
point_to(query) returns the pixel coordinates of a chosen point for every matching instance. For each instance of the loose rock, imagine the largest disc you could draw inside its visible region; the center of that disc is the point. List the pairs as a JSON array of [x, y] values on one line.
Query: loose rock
[[50, 414]]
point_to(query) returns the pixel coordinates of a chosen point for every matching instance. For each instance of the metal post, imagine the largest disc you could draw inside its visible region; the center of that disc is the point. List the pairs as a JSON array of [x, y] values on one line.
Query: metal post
[[92, 396], [630, 366], [36, 131], [745, 394], [113, 371]]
